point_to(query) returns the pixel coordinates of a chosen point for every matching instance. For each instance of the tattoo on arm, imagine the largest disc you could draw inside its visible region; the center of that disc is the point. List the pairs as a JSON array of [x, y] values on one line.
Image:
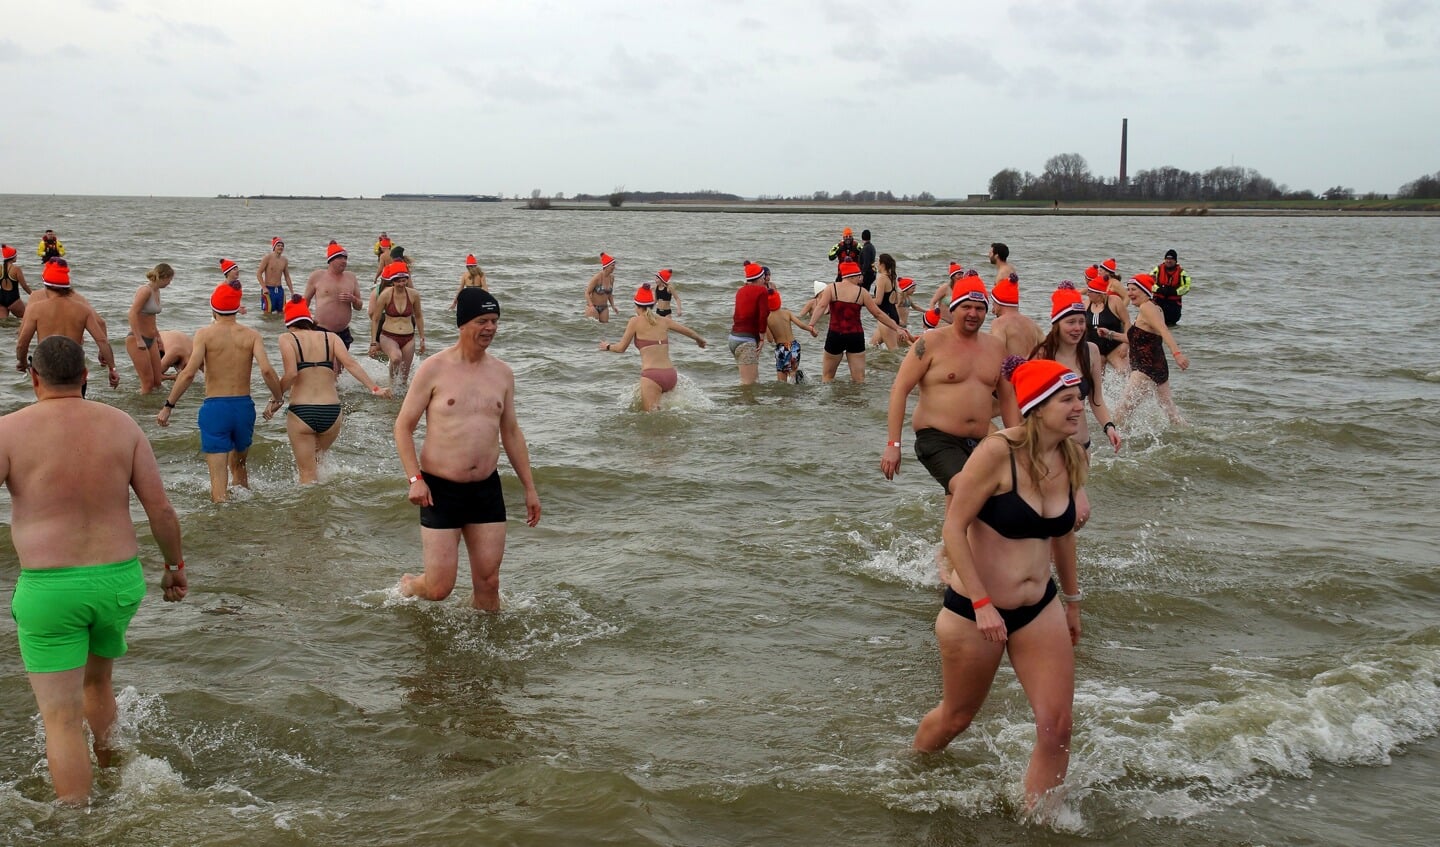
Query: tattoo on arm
[[920, 348]]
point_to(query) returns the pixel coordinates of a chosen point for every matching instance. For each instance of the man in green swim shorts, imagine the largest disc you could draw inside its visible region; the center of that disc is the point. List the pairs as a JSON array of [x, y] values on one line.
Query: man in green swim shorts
[[69, 463]]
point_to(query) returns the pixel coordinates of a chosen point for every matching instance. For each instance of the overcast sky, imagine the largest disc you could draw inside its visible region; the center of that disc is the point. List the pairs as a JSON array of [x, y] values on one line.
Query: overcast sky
[[752, 97]]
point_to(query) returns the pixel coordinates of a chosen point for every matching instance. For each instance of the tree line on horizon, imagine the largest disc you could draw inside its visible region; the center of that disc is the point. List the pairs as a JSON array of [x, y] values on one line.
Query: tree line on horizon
[[1067, 177]]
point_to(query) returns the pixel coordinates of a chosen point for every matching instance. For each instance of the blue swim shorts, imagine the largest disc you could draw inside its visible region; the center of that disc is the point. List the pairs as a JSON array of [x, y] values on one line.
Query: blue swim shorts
[[787, 356], [226, 424], [275, 294]]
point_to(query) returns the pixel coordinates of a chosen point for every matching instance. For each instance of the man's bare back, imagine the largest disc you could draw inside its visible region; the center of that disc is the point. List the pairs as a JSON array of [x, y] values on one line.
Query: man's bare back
[[1019, 333], [67, 457], [69, 315], [227, 352]]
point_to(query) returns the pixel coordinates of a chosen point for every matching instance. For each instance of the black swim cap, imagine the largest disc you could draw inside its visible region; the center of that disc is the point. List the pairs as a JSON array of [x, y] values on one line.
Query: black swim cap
[[474, 302]]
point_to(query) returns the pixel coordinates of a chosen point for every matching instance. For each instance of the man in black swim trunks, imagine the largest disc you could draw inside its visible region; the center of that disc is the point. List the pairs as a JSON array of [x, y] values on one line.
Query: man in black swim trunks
[[467, 398], [958, 370]]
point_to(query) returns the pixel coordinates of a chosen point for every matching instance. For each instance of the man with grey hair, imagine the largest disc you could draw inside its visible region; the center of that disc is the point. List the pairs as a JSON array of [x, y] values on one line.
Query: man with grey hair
[[70, 464]]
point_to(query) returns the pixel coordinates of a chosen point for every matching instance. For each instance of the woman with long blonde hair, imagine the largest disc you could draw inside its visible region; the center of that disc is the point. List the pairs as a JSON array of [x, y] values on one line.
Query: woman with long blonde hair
[[1015, 494], [143, 341]]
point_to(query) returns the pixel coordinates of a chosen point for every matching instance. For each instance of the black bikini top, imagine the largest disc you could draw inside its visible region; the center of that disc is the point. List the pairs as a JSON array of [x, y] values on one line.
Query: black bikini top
[[300, 354], [1009, 514]]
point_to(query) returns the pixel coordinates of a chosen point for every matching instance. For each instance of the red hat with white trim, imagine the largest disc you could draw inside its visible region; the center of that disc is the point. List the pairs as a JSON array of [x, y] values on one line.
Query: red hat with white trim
[[606, 260], [1144, 282], [1037, 380], [1066, 301], [297, 310], [225, 300], [228, 265], [849, 269], [905, 284], [7, 253], [753, 272], [1007, 292], [663, 275], [956, 270], [471, 261], [1094, 283], [334, 251], [1110, 266], [56, 273], [394, 271], [277, 241], [967, 288], [645, 296], [932, 318]]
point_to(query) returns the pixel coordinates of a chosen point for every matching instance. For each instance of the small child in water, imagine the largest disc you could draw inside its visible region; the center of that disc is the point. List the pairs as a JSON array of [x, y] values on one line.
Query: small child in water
[[787, 349]]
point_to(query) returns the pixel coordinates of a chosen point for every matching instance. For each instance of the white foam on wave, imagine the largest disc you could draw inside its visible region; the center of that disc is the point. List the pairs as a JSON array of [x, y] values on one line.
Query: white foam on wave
[[685, 397], [906, 559], [525, 626]]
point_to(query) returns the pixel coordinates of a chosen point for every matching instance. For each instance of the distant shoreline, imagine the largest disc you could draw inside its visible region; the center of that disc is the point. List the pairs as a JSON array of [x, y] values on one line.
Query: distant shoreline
[[988, 208]]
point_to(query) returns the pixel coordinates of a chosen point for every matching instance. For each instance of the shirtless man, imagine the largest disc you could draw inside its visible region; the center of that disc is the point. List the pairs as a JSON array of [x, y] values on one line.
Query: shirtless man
[[467, 398], [1000, 258], [226, 350], [12, 279], [273, 270], [71, 463], [958, 369], [62, 312], [334, 294], [787, 349], [175, 350], [1020, 334]]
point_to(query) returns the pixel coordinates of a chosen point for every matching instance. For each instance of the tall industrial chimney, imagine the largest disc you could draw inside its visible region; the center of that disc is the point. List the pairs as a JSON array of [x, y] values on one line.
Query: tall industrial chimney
[[1124, 144]]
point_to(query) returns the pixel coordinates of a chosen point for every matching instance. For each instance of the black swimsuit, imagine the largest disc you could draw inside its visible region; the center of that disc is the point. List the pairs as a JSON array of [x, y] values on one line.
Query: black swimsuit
[[318, 416], [11, 292], [1009, 515]]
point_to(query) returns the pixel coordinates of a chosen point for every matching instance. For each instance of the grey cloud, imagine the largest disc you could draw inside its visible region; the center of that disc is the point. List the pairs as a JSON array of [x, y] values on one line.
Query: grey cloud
[[508, 84], [106, 5], [12, 52], [934, 58], [199, 32]]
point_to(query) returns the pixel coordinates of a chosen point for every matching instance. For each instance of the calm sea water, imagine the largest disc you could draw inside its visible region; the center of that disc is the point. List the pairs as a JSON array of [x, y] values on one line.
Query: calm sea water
[[720, 633]]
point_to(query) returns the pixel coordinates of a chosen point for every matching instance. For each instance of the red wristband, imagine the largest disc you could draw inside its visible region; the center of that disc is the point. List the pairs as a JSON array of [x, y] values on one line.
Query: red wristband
[[981, 603], [178, 566], [892, 444]]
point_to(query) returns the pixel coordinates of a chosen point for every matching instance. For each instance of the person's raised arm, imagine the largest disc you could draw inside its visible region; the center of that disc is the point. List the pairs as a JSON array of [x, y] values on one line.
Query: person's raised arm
[[912, 368], [164, 523], [685, 331], [267, 372], [95, 325], [418, 317], [518, 452], [976, 483], [28, 325], [624, 343], [349, 363], [1097, 397], [1158, 319], [417, 399]]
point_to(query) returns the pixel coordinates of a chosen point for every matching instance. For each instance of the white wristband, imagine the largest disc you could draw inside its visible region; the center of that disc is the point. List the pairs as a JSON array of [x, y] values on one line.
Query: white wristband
[[1073, 598]]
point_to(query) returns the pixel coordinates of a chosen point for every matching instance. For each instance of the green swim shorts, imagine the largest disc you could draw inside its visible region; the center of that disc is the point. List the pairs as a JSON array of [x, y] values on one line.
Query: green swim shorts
[[63, 615]]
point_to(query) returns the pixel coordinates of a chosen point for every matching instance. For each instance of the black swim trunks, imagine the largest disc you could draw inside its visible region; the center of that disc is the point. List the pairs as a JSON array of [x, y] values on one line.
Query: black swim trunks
[[345, 335], [1014, 618], [943, 455], [461, 503], [844, 342]]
